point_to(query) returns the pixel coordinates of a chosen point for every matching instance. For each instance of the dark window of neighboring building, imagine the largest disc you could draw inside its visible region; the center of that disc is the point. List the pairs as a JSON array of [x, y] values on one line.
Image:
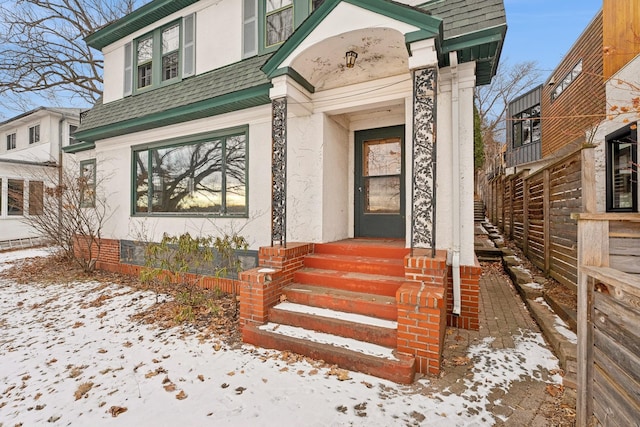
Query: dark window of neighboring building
[[622, 171], [15, 197], [34, 134], [526, 126], [566, 81], [205, 175], [316, 4], [72, 129], [11, 141]]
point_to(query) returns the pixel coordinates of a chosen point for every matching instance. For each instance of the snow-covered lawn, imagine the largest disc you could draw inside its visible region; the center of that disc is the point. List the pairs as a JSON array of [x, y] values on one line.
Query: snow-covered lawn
[[70, 355]]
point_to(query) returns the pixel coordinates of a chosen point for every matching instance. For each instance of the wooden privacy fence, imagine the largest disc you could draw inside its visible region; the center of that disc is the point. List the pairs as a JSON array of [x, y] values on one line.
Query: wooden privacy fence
[[608, 319], [534, 210]]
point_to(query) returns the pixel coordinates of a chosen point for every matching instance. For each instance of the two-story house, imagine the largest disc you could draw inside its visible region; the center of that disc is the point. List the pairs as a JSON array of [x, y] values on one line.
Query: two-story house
[[300, 123], [30, 151]]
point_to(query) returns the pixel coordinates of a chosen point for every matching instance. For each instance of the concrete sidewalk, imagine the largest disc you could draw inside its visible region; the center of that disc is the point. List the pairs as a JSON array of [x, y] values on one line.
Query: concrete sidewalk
[[504, 318]]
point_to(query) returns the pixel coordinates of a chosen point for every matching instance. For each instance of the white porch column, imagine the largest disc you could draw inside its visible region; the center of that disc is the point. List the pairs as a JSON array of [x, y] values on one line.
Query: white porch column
[[284, 88], [424, 69]]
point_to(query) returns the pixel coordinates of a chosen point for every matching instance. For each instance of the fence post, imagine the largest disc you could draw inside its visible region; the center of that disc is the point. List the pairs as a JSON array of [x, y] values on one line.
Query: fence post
[[525, 214], [593, 249], [546, 212]]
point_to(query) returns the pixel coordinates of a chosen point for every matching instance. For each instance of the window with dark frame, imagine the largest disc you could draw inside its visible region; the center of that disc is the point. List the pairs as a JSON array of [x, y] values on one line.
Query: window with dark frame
[[11, 141], [34, 134], [563, 84], [526, 127], [622, 170], [15, 197], [205, 176]]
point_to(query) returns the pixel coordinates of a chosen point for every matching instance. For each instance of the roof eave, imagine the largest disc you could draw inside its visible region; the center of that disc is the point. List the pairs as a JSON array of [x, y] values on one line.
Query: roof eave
[[136, 20]]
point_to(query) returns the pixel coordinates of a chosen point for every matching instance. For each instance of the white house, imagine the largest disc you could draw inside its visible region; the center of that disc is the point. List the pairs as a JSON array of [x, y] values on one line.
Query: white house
[[299, 123], [30, 151]]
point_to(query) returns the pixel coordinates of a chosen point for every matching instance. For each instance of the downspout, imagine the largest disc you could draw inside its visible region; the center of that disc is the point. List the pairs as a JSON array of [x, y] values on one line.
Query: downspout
[[455, 170]]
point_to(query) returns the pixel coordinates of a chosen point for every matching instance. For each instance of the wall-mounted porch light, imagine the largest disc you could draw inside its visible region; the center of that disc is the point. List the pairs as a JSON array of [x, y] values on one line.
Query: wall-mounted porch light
[[350, 57]]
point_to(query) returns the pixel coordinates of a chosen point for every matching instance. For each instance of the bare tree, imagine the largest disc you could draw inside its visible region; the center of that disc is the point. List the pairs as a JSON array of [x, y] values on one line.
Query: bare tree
[[493, 99], [72, 214], [42, 48]]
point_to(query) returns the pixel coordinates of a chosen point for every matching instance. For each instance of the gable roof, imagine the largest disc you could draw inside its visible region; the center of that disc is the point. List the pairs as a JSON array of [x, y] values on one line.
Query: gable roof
[[429, 26], [236, 86]]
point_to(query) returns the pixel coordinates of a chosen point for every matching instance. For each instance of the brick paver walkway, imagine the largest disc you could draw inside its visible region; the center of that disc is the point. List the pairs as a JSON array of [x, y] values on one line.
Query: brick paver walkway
[[503, 317]]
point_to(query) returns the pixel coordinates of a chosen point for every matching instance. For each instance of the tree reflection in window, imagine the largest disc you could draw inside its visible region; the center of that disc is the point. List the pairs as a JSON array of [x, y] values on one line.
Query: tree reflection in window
[[201, 177]]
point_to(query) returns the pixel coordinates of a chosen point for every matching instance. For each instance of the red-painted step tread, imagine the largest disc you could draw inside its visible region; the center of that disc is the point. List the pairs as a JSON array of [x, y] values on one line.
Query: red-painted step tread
[[349, 281], [381, 306]]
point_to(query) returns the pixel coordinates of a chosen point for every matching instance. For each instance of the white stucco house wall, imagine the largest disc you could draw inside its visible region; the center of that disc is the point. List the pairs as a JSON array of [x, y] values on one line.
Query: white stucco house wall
[[298, 123], [412, 61], [30, 152], [616, 143]]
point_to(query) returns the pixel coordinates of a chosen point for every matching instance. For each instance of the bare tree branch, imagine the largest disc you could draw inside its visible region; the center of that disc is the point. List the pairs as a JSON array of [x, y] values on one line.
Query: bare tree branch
[[42, 48]]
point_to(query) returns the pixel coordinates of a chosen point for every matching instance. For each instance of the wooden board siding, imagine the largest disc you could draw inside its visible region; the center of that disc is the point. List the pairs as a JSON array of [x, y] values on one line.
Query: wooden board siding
[[518, 211], [621, 34], [536, 245], [624, 246], [565, 199], [565, 119]]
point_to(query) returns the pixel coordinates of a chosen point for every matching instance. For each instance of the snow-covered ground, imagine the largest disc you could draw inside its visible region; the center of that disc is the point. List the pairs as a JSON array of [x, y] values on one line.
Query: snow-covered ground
[[70, 355]]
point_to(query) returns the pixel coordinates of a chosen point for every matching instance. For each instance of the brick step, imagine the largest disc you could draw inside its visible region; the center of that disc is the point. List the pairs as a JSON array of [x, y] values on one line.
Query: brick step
[[376, 248], [348, 325], [381, 306], [356, 264], [347, 353], [349, 281]]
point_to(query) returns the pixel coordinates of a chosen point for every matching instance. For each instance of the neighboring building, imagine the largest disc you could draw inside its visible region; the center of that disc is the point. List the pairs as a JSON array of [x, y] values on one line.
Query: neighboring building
[[573, 108], [524, 142], [30, 152], [296, 121]]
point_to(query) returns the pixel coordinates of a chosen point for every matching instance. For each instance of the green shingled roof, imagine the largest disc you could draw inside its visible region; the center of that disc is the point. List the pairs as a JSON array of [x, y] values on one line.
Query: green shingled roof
[[475, 29], [236, 86]]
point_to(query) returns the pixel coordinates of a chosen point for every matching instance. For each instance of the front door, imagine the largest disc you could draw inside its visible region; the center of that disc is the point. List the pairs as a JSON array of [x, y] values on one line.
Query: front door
[[379, 183]]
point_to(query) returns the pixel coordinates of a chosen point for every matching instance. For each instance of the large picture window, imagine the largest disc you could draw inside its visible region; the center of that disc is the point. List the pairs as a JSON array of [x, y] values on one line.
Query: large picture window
[[622, 171], [206, 175]]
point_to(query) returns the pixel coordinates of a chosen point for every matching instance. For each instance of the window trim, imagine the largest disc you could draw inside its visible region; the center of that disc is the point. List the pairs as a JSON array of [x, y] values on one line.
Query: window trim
[[156, 58], [34, 141], [92, 202], [182, 141], [610, 141]]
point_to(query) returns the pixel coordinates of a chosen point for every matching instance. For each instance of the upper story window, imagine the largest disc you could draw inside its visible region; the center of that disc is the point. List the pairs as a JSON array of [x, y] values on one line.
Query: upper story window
[[11, 141], [278, 21], [567, 80], [163, 56], [72, 129], [34, 134], [268, 23], [526, 126]]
